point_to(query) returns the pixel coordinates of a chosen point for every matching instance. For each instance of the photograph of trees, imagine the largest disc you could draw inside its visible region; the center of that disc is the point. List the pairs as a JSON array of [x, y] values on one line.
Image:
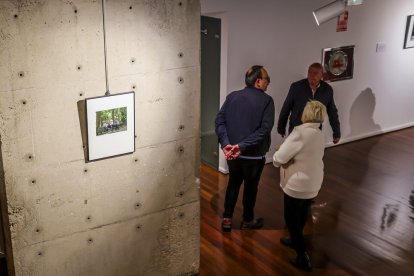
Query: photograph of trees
[[111, 121]]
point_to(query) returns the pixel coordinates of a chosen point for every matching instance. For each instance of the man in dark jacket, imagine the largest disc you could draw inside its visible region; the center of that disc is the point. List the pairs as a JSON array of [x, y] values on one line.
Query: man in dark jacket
[[243, 127], [300, 92]]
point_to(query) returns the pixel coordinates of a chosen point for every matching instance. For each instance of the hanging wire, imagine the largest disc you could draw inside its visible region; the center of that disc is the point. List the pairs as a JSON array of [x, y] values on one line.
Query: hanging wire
[[104, 38]]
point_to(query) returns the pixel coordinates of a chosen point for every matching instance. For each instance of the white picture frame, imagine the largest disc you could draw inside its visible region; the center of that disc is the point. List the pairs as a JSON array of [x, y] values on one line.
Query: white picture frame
[[409, 33], [110, 124]]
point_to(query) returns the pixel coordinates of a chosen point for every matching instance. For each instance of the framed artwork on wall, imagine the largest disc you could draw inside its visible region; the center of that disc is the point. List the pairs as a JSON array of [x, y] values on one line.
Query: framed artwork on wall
[[409, 33], [338, 63], [110, 124]]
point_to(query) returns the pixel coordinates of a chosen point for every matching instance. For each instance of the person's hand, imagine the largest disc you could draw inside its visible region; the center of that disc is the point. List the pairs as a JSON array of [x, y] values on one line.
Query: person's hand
[[226, 149], [233, 151], [290, 162], [336, 140]]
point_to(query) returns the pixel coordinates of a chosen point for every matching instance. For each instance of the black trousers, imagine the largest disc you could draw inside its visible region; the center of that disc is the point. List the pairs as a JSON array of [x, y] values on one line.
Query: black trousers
[[247, 171], [296, 212]]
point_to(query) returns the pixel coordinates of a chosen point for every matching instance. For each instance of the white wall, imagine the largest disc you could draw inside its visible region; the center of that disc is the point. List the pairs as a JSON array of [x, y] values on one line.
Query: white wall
[[283, 36]]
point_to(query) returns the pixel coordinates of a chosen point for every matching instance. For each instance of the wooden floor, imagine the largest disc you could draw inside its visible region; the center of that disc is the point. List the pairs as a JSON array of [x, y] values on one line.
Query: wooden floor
[[362, 222]]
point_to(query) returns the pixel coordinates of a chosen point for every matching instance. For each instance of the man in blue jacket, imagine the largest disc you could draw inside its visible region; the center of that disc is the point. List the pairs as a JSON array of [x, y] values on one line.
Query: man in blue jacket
[[243, 127], [300, 92]]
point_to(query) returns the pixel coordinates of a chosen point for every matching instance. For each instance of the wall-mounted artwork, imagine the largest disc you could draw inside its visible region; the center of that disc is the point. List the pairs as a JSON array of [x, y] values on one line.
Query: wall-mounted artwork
[[338, 63], [409, 32], [110, 126]]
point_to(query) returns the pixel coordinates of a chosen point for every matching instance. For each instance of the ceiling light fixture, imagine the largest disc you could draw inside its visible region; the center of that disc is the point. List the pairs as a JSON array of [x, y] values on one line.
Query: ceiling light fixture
[[333, 9]]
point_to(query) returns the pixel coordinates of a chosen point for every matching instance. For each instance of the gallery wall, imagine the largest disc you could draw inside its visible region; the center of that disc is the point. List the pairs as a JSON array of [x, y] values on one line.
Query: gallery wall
[[283, 36], [136, 214]]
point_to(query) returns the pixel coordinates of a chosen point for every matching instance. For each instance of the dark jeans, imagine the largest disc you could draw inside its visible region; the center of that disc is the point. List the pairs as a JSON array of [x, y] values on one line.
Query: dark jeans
[[249, 171], [296, 213]]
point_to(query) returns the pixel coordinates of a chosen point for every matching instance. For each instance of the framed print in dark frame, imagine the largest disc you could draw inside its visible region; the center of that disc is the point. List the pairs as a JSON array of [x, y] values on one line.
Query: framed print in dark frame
[[338, 63], [409, 33], [110, 124]]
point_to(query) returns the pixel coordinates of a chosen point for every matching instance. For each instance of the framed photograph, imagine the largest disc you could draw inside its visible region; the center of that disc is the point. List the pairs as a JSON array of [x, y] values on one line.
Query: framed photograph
[[338, 63], [110, 124], [409, 32]]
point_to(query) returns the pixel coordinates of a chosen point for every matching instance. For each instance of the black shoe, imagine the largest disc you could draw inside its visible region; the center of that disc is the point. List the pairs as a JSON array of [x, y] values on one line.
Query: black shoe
[[254, 224], [286, 241], [302, 261], [226, 224]]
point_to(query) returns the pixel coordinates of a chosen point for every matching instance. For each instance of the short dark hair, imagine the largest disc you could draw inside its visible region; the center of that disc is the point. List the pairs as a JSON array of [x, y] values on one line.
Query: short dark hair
[[254, 73], [316, 65]]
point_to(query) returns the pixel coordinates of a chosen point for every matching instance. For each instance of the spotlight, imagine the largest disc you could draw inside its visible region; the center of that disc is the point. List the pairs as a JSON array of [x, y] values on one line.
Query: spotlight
[[354, 2], [333, 9], [329, 11]]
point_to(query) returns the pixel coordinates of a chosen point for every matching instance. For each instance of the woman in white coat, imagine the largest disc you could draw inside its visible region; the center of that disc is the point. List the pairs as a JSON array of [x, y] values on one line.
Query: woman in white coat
[[301, 174]]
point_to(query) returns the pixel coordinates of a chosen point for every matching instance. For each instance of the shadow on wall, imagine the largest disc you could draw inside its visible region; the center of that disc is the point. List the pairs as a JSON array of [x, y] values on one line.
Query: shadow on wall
[[362, 124], [361, 118]]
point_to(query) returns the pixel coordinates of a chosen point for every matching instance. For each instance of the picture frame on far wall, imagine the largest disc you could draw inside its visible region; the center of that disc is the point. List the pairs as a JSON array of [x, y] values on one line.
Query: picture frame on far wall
[[338, 63], [409, 32], [110, 124]]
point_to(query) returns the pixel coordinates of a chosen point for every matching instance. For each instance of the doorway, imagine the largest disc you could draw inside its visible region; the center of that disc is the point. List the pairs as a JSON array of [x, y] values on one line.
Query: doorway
[[210, 88]]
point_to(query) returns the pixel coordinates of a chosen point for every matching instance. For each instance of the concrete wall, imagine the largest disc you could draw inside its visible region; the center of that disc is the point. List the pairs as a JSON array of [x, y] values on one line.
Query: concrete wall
[[283, 36], [136, 214]]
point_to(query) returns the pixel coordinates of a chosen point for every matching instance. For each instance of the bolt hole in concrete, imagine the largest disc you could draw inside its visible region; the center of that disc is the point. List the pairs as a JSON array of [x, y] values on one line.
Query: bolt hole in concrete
[[39, 253], [130, 7], [24, 102], [79, 67], [21, 74], [180, 149], [180, 4], [33, 181], [181, 215], [15, 16], [181, 127], [180, 54], [181, 80]]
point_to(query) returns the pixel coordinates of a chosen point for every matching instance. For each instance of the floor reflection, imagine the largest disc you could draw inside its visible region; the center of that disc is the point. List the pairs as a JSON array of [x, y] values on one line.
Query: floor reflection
[[411, 202], [389, 215]]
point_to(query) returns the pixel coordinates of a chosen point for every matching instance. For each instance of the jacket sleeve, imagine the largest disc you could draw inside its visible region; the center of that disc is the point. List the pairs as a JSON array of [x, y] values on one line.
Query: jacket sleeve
[[220, 126], [288, 150], [265, 128], [334, 118], [285, 112]]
